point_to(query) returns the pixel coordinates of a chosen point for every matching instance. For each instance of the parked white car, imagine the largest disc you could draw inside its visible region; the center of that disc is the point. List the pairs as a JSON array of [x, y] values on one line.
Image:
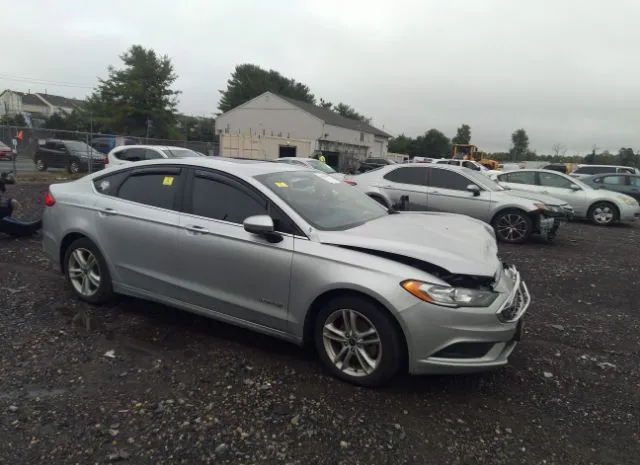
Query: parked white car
[[597, 205], [313, 164], [471, 164], [133, 153], [584, 171]]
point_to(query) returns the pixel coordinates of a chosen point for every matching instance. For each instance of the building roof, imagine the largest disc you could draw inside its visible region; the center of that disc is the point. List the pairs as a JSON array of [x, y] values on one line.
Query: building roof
[[58, 101], [333, 118]]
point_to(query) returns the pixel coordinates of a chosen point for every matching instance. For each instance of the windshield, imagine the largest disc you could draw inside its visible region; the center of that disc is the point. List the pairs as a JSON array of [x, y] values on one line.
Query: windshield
[[181, 153], [324, 202], [81, 147], [484, 180], [318, 165], [2, 144]]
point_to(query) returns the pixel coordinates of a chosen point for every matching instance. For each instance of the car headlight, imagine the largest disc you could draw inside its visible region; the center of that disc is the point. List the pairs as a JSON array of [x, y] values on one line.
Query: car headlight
[[628, 200], [545, 207], [449, 296]]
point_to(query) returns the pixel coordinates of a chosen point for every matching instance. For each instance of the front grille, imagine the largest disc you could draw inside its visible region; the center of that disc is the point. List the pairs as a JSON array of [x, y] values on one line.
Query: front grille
[[517, 302]]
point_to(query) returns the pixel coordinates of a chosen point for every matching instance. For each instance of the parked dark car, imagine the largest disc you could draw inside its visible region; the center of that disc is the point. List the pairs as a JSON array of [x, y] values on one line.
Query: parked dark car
[[72, 155], [624, 183], [373, 163], [5, 152], [105, 144]]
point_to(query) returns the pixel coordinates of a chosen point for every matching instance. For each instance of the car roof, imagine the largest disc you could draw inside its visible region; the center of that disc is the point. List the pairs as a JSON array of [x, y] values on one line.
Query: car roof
[[295, 158], [152, 146], [235, 166]]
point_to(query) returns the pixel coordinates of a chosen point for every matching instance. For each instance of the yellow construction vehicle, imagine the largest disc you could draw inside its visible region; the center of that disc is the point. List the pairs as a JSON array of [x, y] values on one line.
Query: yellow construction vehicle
[[470, 152]]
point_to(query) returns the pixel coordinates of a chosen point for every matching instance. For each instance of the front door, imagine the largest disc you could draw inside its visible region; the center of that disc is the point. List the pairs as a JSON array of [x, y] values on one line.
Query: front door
[[409, 182], [225, 268], [137, 226], [634, 187], [560, 187], [447, 192]]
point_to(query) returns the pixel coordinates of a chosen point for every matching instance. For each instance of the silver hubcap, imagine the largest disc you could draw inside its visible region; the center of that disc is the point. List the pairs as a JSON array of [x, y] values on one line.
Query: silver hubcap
[[74, 167], [40, 164], [512, 227], [603, 214], [352, 343], [84, 272]]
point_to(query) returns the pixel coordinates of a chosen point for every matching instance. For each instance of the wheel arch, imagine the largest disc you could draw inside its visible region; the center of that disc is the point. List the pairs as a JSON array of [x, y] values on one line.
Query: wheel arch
[[69, 239], [328, 295]]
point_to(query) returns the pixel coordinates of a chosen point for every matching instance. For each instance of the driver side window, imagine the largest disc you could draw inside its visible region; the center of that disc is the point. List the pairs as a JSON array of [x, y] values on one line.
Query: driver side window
[[554, 180]]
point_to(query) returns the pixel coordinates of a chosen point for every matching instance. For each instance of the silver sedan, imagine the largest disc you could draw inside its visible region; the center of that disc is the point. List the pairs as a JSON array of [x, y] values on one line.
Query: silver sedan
[[294, 254], [599, 206]]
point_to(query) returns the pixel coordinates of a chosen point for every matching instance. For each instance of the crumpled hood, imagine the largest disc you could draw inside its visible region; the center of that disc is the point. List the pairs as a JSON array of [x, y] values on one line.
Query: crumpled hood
[[546, 199], [457, 243]]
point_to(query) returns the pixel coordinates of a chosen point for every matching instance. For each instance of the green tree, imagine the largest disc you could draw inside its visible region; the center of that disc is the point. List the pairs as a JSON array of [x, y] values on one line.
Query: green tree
[[345, 110], [248, 81], [519, 145], [401, 144], [627, 157], [139, 93], [432, 144], [463, 135], [15, 120], [325, 104]]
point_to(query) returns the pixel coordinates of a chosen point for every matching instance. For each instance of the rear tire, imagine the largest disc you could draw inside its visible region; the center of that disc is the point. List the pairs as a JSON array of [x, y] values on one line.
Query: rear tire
[[87, 273], [358, 342], [512, 226], [603, 213], [74, 167]]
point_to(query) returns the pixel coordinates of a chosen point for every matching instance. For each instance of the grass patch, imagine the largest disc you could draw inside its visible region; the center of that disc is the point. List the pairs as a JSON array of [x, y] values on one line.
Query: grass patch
[[45, 177]]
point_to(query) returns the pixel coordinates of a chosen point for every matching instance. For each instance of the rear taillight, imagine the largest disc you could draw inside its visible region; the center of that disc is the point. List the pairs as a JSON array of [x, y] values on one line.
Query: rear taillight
[[49, 201], [350, 182]]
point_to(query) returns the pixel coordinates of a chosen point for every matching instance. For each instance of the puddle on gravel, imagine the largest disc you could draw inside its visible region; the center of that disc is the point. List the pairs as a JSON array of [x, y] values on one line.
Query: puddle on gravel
[[32, 393]]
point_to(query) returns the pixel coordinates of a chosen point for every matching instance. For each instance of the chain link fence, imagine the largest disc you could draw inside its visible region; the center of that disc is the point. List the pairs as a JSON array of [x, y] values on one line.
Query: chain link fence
[[91, 148]]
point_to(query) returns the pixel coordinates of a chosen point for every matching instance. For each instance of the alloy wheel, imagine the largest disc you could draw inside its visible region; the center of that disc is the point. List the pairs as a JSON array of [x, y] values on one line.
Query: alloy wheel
[[74, 167], [352, 342], [512, 227], [84, 272], [40, 165], [603, 214]]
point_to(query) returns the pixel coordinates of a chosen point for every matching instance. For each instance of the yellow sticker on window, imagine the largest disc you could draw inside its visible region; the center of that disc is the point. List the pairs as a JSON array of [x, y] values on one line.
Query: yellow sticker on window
[[167, 181], [281, 184]]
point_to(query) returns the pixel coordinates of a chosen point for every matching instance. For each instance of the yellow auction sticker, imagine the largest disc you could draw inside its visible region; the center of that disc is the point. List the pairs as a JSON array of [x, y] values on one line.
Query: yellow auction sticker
[[167, 181], [281, 184]]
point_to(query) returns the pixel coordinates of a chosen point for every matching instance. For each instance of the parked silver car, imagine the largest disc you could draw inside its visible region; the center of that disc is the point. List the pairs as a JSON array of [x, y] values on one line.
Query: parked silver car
[[597, 205], [435, 187], [295, 254]]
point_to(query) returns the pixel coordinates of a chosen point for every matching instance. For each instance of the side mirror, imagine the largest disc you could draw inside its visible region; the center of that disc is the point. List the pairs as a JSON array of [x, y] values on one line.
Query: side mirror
[[262, 225], [473, 189], [575, 187]]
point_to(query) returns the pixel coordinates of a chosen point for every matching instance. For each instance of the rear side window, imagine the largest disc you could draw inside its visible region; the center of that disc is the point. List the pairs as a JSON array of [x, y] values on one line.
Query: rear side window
[[595, 170], [219, 200], [447, 179], [150, 154], [414, 175], [613, 180], [133, 154], [154, 189], [108, 185], [625, 170]]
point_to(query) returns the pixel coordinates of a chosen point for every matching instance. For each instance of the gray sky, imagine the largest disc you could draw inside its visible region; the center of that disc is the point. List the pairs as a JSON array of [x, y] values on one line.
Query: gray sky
[[565, 70]]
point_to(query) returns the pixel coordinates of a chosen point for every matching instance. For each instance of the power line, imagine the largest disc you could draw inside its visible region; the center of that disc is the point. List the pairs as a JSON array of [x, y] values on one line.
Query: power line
[[43, 81]]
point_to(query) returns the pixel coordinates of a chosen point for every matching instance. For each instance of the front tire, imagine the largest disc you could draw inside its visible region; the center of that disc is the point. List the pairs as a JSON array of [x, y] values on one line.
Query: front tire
[[358, 342], [603, 213], [74, 167], [87, 273], [512, 226], [40, 166]]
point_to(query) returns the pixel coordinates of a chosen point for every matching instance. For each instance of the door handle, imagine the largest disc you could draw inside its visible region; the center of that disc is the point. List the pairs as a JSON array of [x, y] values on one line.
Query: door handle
[[194, 228], [108, 211]]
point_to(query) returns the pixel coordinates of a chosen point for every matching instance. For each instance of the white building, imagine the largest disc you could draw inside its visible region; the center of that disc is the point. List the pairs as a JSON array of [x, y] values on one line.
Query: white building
[[36, 106], [276, 126]]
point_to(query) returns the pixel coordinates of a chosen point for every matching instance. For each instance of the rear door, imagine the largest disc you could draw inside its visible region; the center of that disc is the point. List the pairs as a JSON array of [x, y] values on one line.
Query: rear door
[[634, 187], [226, 269], [520, 180], [447, 192], [409, 181], [137, 222]]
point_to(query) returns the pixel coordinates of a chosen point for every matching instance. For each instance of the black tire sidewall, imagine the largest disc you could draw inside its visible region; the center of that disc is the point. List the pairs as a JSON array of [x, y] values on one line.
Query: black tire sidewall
[[105, 291], [603, 204], [513, 212], [390, 336], [44, 167]]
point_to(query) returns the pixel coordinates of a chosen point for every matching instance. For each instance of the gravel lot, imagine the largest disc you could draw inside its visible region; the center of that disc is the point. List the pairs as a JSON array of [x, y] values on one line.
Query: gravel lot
[[143, 384]]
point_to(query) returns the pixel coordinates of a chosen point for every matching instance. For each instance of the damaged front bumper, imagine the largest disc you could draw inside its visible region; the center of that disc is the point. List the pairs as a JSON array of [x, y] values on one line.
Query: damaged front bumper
[[465, 340]]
